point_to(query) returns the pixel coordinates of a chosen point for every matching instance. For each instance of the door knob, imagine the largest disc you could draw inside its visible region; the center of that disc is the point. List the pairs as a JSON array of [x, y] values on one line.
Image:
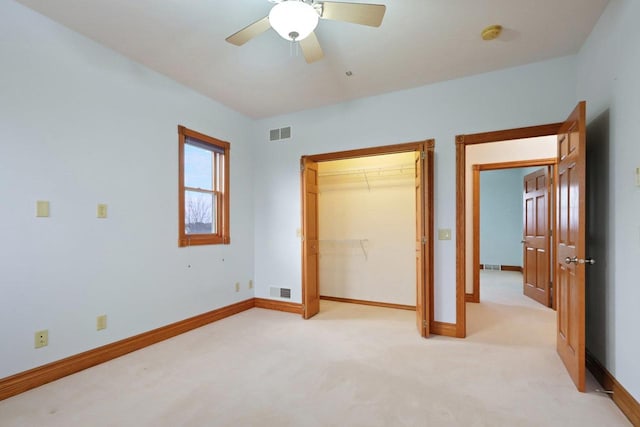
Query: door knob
[[575, 260]]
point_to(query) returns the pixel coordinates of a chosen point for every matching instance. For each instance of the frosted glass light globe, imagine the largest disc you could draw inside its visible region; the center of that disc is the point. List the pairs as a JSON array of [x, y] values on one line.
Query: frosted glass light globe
[[293, 19]]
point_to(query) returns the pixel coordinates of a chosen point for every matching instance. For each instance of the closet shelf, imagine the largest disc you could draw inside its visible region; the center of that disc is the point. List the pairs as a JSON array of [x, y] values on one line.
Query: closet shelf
[[370, 173]]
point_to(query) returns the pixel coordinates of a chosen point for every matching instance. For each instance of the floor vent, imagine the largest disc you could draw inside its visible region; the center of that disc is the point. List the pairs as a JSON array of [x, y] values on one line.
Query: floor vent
[[279, 134], [280, 292], [285, 293], [495, 267]]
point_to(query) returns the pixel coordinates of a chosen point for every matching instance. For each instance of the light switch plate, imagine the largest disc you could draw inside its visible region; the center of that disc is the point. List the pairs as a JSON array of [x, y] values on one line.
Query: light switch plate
[[42, 208], [638, 177], [444, 234], [101, 322], [102, 210]]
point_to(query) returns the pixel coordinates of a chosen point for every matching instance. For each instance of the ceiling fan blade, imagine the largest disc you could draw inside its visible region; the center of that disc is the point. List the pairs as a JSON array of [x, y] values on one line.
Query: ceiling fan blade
[[249, 32], [311, 48], [356, 13]]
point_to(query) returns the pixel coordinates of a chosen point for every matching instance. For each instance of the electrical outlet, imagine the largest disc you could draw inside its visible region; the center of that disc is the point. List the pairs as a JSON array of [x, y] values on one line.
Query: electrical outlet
[[42, 338], [101, 322], [42, 208], [250, 284], [237, 286], [102, 210]]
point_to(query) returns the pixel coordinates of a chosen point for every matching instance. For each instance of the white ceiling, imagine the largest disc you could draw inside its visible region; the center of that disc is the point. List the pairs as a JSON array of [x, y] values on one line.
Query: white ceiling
[[419, 42]]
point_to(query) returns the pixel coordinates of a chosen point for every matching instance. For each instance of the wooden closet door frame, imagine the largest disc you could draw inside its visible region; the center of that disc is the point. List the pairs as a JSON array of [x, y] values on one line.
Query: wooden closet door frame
[[462, 141], [428, 147]]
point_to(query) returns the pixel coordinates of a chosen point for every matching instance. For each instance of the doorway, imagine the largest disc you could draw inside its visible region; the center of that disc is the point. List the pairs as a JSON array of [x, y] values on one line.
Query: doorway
[[569, 241], [529, 238], [313, 168]]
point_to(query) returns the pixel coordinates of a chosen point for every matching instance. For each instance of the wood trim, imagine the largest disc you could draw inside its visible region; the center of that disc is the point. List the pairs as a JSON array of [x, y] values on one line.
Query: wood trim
[[625, 401], [509, 134], [27, 380], [286, 306], [223, 235], [475, 295], [372, 151], [373, 303], [461, 143], [517, 164], [426, 145], [429, 229], [445, 329], [471, 298], [461, 312]]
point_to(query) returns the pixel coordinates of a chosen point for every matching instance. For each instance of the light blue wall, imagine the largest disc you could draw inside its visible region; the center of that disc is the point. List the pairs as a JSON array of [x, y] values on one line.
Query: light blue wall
[[607, 78], [81, 125], [543, 92], [501, 217]]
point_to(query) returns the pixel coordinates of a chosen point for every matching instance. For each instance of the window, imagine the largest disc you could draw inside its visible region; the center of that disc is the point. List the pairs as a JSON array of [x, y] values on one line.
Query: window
[[204, 189]]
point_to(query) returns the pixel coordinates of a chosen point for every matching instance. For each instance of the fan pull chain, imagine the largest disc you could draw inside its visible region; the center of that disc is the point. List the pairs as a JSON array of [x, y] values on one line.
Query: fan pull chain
[[293, 48]]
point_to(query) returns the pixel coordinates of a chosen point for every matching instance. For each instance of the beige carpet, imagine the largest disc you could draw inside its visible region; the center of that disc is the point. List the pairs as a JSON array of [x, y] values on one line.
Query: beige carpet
[[349, 366]]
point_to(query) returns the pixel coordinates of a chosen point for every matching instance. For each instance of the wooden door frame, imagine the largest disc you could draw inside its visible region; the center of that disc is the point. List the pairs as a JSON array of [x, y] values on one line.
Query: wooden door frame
[[462, 141], [429, 146], [477, 168]]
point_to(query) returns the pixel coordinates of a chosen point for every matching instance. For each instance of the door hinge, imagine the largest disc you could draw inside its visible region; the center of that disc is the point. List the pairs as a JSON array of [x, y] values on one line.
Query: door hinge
[[424, 323], [550, 233], [423, 155], [304, 309], [424, 240], [301, 167]]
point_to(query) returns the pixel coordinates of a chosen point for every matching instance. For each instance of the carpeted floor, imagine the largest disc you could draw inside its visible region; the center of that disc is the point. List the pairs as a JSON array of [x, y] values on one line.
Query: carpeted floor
[[349, 366]]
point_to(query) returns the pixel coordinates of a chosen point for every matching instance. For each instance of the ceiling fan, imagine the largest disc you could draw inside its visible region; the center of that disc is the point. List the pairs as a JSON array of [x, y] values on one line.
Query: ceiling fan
[[296, 20]]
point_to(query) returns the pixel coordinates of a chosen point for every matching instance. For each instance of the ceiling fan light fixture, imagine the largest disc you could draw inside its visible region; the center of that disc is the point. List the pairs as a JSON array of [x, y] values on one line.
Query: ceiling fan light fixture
[[293, 19]]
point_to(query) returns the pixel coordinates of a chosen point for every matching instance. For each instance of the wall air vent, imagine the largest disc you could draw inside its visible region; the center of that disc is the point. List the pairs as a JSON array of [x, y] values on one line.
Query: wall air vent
[[285, 133], [495, 267], [279, 292], [281, 133]]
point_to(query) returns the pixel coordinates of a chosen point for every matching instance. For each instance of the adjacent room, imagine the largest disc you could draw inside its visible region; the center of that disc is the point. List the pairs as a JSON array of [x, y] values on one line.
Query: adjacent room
[[159, 162]]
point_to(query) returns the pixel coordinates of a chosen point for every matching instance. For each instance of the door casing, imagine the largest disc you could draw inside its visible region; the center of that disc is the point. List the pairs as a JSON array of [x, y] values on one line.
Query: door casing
[[475, 295], [428, 147], [462, 141]]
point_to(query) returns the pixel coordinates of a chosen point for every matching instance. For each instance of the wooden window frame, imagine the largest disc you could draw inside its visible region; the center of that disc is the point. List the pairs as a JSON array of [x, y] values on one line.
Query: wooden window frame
[[223, 197]]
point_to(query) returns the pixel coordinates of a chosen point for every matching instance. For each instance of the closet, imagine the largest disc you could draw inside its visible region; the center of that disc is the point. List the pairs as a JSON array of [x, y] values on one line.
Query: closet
[[367, 229]]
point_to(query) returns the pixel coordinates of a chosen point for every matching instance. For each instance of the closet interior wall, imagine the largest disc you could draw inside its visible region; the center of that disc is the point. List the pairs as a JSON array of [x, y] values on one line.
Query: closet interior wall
[[366, 214]]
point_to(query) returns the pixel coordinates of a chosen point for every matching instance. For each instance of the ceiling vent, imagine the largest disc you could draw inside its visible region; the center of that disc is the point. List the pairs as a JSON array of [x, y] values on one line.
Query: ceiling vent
[[281, 133]]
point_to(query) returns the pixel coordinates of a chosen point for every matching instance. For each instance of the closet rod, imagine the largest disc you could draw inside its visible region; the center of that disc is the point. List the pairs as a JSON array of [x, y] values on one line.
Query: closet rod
[[371, 170]]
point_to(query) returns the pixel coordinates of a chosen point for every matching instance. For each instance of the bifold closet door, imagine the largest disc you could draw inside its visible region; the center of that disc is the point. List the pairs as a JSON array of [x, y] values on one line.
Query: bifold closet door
[[422, 292], [310, 248]]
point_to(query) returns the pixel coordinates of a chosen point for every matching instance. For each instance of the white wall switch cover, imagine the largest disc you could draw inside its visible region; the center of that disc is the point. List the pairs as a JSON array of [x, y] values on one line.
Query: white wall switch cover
[[42, 208], [638, 177], [444, 234], [102, 210]]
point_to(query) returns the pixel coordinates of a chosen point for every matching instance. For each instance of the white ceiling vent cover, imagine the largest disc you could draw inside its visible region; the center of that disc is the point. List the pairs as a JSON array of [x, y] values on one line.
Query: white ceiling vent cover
[[279, 134]]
